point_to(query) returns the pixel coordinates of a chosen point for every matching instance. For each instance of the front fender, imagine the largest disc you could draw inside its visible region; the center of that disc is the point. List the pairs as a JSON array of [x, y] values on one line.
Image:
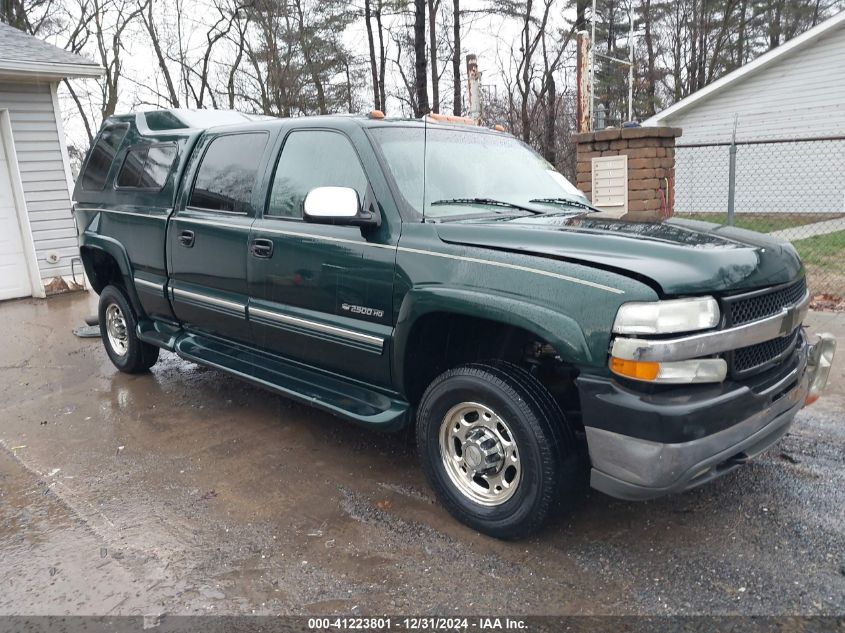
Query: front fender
[[556, 328]]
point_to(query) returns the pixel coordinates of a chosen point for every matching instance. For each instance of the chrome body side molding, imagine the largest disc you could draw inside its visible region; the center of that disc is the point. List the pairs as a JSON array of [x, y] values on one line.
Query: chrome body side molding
[[322, 328], [214, 301]]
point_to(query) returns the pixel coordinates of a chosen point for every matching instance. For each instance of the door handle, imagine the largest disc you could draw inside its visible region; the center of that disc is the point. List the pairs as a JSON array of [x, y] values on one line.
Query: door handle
[[186, 238], [262, 248]]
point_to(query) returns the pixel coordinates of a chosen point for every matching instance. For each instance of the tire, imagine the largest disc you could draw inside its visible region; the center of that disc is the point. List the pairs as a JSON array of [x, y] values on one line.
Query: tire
[[118, 329], [497, 422]]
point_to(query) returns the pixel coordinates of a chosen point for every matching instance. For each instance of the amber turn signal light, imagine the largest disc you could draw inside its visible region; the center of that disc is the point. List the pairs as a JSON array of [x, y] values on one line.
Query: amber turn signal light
[[638, 370]]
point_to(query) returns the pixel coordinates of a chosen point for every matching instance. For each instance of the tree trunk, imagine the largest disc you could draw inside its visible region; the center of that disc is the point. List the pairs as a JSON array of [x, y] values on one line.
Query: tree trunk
[[651, 72], [372, 47], [550, 133], [457, 109], [420, 65], [382, 58], [775, 26], [581, 14], [162, 63], [432, 36], [525, 80], [230, 85]]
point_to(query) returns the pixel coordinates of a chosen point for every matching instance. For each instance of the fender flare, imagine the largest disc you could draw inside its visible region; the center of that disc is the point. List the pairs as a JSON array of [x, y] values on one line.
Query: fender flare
[[556, 328], [116, 251]]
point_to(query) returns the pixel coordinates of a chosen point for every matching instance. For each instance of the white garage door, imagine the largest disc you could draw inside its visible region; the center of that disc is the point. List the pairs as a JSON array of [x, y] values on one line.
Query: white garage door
[[14, 281]]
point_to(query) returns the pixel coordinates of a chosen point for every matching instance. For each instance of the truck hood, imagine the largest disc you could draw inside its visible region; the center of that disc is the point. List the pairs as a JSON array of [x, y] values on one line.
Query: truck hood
[[680, 256]]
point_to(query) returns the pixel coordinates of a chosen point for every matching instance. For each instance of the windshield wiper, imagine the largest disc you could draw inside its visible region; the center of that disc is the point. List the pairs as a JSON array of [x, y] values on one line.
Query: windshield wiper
[[486, 201], [564, 201]]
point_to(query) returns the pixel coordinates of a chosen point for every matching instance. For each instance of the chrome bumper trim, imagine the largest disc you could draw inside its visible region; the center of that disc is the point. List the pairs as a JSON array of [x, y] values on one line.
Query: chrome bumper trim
[[714, 342]]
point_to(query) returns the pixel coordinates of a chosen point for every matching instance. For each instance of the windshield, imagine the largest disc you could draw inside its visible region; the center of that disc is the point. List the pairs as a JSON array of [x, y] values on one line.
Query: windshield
[[467, 172]]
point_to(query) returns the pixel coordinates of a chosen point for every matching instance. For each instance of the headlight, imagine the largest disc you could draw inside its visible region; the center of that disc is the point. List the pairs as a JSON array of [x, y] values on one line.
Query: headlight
[[666, 317]]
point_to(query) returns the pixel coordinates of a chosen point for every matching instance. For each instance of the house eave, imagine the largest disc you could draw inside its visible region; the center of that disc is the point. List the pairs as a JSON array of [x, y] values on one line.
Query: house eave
[[49, 72]]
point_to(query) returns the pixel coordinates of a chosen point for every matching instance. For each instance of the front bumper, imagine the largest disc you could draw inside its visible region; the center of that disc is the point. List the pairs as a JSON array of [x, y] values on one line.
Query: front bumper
[[646, 446]]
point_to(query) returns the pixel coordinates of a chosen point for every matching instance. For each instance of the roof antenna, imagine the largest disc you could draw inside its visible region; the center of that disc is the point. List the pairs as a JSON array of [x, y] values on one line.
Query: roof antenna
[[425, 158]]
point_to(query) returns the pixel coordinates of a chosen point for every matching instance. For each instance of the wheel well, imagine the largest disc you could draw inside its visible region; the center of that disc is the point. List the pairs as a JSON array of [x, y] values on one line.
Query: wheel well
[[102, 269], [440, 341]]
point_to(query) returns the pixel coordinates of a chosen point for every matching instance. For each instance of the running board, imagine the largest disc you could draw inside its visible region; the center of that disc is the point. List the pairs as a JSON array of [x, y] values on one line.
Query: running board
[[159, 333], [320, 389]]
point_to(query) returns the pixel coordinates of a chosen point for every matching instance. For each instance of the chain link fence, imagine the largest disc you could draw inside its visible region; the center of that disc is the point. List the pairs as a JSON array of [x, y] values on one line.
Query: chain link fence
[[793, 188]]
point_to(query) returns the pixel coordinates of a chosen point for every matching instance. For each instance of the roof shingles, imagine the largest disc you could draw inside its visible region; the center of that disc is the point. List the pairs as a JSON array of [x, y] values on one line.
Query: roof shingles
[[18, 49]]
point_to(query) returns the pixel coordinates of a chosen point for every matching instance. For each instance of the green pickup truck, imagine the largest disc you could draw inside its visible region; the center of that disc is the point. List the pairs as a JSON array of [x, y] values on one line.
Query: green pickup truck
[[442, 277]]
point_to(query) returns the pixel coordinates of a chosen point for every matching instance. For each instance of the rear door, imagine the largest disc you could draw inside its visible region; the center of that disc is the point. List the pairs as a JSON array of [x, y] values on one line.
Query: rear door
[[207, 237], [322, 294]]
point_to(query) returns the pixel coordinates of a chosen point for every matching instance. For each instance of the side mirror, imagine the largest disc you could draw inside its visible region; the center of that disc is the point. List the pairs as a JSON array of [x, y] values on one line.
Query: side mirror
[[337, 205]]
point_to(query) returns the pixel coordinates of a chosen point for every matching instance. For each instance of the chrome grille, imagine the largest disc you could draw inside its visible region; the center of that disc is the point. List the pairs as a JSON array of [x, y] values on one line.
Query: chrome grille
[[765, 303]]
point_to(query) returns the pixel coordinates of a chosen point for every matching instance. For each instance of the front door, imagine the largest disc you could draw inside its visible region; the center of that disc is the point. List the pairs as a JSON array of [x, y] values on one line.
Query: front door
[[321, 294], [207, 237]]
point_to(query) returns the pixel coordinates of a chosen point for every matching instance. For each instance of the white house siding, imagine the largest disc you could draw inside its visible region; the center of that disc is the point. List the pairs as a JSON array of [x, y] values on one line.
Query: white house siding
[[799, 95], [42, 172]]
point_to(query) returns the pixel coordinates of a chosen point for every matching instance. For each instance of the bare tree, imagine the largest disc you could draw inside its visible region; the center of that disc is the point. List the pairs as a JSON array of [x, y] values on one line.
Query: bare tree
[[457, 108], [31, 16], [433, 6], [368, 22], [149, 24], [420, 65]]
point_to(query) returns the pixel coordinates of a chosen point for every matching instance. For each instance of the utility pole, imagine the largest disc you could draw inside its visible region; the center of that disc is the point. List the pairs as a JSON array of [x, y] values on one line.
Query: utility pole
[[474, 88], [592, 61], [631, 62], [582, 73]]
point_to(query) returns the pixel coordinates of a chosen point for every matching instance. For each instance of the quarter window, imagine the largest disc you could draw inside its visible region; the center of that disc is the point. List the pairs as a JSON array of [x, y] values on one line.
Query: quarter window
[[146, 166], [226, 175], [310, 159], [102, 156]]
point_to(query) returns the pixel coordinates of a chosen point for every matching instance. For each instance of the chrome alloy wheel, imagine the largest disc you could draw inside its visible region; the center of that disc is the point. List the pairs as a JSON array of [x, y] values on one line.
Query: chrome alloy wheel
[[116, 330], [479, 453]]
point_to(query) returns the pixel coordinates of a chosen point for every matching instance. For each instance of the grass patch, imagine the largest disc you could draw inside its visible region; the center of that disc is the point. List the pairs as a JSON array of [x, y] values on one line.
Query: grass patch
[[762, 222], [824, 258]]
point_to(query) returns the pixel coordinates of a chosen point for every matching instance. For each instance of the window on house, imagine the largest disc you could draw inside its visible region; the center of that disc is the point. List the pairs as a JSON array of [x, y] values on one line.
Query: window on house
[[227, 173], [101, 157], [310, 159], [146, 166]]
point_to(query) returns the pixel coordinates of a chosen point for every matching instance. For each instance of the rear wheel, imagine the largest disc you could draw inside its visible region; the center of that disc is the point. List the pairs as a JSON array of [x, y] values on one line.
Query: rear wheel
[[118, 330], [496, 448]]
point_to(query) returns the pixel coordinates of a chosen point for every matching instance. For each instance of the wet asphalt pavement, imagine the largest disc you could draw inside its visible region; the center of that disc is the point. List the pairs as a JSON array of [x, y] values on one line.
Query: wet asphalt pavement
[[186, 491]]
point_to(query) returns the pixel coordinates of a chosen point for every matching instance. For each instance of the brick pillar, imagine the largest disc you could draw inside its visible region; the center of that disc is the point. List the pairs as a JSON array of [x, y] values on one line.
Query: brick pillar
[[651, 166]]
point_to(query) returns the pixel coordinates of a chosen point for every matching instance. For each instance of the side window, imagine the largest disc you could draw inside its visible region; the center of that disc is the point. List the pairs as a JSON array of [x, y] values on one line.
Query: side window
[[313, 158], [146, 166], [102, 155], [226, 175]]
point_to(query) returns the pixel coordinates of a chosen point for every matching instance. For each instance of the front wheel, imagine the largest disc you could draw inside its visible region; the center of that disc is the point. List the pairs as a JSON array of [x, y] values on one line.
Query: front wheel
[[117, 328], [496, 448]]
